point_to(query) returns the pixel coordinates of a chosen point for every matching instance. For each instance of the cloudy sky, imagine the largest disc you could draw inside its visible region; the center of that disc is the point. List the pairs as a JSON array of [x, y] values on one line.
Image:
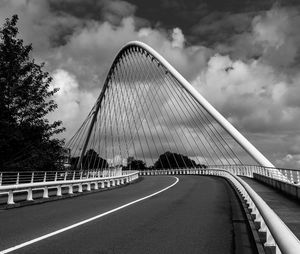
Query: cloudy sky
[[242, 55]]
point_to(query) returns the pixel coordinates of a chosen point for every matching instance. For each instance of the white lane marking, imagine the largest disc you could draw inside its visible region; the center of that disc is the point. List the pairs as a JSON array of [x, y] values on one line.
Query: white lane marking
[[85, 221]]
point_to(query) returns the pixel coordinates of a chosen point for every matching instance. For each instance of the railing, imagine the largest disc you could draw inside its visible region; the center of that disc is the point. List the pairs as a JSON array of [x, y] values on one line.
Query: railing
[[291, 176], [276, 236], [11, 177], [283, 174], [12, 182], [175, 171]]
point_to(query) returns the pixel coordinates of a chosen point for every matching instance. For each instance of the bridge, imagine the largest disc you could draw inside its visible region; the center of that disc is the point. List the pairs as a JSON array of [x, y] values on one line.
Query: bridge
[[154, 168]]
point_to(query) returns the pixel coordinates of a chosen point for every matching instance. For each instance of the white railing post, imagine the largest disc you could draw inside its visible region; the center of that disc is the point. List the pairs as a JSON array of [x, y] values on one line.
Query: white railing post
[[80, 188], [292, 176], [18, 178], [113, 183], [70, 189], [1, 178], [29, 194], [270, 242], [285, 173], [73, 175], [102, 185], [32, 177], [45, 193], [10, 199], [55, 178], [58, 193], [45, 176], [66, 175]]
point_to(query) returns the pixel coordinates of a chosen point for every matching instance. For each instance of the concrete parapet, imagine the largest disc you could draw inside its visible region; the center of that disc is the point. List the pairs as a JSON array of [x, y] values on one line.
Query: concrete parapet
[[284, 187]]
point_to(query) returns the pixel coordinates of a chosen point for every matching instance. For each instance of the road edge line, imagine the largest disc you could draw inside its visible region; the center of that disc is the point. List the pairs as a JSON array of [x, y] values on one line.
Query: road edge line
[[19, 246]]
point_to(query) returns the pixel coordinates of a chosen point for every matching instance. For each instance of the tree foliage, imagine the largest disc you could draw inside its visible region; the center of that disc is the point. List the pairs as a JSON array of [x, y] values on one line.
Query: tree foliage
[[26, 136], [92, 160], [175, 160], [133, 164]]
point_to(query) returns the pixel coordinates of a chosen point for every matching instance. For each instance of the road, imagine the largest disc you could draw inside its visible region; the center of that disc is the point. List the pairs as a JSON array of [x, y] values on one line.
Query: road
[[199, 214]]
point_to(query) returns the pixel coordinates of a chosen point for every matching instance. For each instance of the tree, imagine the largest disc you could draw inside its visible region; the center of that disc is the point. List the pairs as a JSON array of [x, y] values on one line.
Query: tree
[[138, 165], [92, 160], [133, 164], [26, 136], [175, 160]]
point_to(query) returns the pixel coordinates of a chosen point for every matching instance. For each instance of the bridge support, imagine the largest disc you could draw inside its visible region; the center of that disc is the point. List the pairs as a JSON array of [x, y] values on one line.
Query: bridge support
[[45, 193], [113, 183], [80, 188], [59, 194], [102, 185], [29, 194], [70, 189], [234, 133], [10, 200]]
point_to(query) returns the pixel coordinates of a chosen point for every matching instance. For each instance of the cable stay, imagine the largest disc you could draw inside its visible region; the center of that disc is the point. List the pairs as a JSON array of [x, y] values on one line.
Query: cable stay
[[148, 116]]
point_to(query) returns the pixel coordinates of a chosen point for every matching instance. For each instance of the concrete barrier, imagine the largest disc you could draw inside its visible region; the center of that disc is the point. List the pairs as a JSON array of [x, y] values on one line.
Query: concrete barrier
[[284, 187]]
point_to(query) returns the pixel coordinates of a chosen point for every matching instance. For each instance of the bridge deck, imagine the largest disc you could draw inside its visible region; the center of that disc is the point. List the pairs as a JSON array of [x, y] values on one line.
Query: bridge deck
[[284, 206], [197, 215]]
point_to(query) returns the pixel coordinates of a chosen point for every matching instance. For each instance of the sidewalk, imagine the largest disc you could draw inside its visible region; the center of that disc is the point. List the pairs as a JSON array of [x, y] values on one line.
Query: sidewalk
[[285, 207]]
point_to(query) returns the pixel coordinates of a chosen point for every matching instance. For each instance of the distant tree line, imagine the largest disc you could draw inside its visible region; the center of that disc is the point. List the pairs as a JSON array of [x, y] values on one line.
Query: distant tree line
[[175, 160], [91, 160], [168, 160]]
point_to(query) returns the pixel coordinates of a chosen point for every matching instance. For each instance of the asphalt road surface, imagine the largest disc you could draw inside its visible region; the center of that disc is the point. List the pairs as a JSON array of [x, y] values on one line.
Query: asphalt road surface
[[199, 214]]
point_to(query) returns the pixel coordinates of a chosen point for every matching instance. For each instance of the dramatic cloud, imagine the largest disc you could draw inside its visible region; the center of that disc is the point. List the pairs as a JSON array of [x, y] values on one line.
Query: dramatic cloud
[[257, 90], [246, 64], [74, 103], [178, 38]]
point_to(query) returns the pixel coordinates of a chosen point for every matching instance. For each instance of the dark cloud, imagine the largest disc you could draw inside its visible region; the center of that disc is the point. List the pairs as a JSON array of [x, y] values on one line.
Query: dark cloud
[[98, 10], [85, 12], [219, 27], [243, 56]]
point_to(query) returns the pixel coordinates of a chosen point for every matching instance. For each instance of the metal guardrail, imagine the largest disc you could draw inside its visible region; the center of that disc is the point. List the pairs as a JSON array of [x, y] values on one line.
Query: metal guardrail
[[176, 171], [29, 182], [291, 176], [11, 177], [277, 234], [278, 238]]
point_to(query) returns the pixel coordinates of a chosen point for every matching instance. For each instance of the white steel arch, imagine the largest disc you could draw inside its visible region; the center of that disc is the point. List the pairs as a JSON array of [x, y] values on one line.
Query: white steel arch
[[234, 133]]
